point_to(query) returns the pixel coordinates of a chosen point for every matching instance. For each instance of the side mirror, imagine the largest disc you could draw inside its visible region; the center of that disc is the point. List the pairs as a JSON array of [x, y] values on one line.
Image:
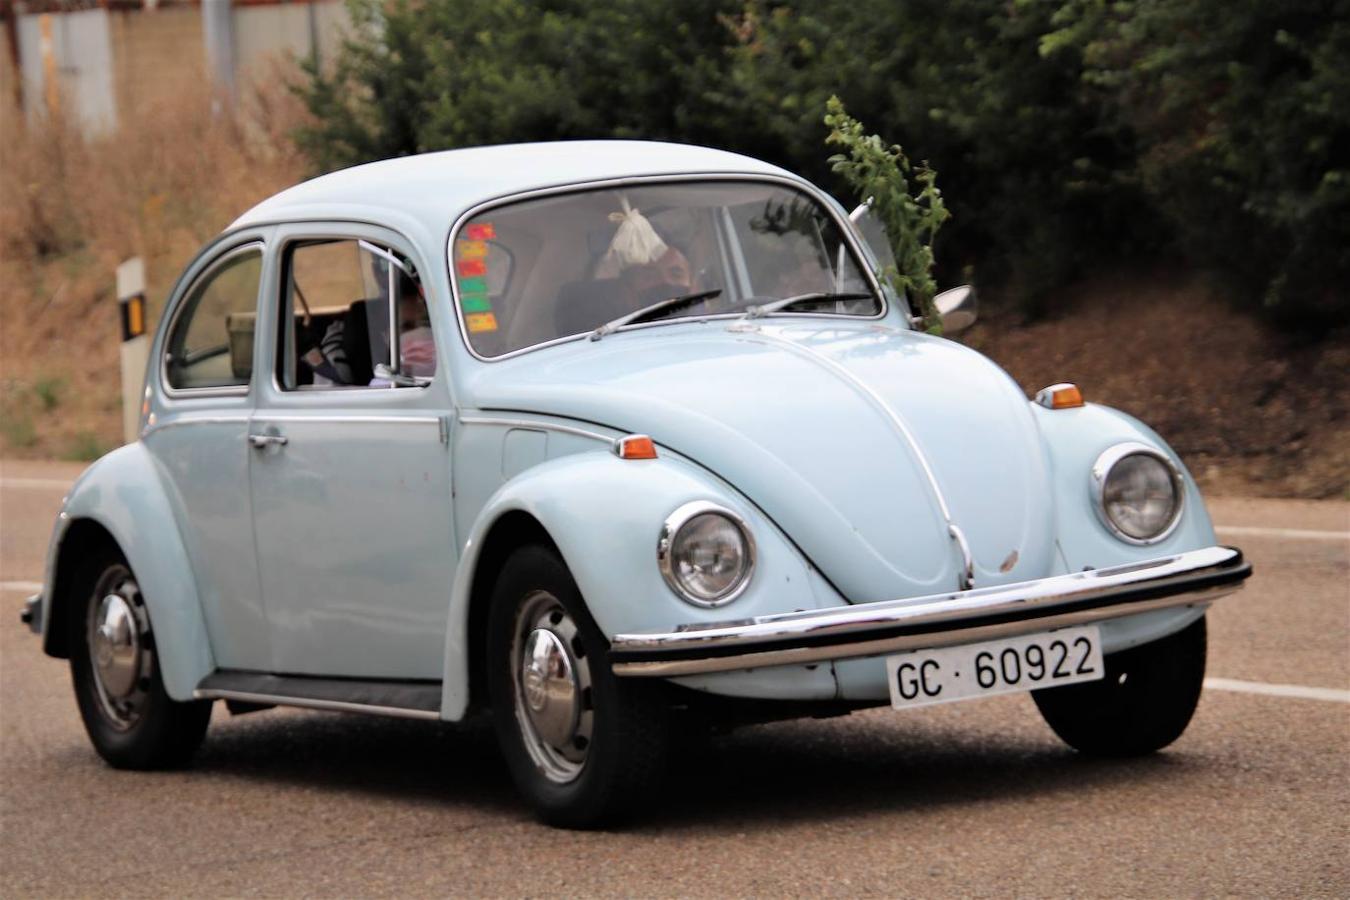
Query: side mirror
[[958, 308]]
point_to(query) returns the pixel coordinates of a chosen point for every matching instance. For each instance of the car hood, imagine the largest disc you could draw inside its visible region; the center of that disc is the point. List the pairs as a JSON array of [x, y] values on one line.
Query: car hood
[[857, 439]]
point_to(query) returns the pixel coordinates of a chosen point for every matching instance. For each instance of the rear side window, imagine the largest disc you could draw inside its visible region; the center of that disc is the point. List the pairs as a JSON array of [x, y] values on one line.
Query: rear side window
[[211, 342]]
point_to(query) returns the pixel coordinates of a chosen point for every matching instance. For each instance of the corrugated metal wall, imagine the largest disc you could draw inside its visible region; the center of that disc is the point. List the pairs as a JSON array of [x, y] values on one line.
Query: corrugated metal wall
[[98, 65]]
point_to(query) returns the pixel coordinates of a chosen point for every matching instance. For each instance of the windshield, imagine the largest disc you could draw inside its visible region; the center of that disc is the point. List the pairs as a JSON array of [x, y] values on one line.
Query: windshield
[[564, 265]]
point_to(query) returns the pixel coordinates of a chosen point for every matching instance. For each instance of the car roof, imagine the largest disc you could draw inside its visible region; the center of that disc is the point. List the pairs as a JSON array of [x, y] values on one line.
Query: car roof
[[435, 188]]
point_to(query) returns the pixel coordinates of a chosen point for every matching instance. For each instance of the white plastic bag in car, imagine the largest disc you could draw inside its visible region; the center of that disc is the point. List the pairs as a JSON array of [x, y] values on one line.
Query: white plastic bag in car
[[635, 243]]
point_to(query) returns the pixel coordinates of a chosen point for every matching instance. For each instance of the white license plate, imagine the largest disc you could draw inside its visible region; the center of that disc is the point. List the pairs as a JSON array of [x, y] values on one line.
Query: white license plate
[[1027, 663]]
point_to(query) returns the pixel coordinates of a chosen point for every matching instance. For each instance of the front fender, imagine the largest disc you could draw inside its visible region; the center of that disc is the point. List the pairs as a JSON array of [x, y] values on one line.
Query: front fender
[[123, 493], [1074, 438], [605, 516]]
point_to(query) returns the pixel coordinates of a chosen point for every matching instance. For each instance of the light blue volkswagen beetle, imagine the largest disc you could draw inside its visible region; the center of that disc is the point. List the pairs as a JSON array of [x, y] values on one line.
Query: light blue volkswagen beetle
[[610, 438]]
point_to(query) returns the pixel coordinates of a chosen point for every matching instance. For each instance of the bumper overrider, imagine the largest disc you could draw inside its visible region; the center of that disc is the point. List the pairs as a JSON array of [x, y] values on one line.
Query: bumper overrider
[[1194, 578], [32, 613]]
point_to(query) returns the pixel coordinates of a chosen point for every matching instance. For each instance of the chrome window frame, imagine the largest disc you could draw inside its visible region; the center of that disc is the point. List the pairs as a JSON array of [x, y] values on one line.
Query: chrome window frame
[[225, 390], [1101, 469], [845, 228]]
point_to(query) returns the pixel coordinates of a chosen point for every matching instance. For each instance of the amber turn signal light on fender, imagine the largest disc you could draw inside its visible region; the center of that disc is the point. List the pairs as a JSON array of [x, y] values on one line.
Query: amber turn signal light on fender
[[1060, 396], [635, 446]]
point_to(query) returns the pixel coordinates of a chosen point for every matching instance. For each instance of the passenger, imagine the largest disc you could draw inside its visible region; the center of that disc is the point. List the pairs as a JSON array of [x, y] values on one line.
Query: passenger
[[416, 349], [804, 274]]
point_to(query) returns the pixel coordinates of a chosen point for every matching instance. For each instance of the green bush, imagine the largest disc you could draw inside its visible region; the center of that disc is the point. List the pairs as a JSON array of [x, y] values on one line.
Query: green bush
[[1242, 110], [1069, 134], [879, 175]]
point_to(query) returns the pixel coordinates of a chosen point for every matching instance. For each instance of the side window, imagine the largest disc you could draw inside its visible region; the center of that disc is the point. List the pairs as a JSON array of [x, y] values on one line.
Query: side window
[[211, 344], [337, 315]]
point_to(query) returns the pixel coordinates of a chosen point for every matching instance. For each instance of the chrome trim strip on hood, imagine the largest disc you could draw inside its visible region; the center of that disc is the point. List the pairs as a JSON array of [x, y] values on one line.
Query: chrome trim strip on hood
[[1191, 578], [966, 580], [533, 424]]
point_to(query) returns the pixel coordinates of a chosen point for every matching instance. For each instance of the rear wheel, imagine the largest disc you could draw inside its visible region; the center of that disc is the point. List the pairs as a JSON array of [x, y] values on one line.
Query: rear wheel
[[581, 744], [1143, 704], [131, 720]]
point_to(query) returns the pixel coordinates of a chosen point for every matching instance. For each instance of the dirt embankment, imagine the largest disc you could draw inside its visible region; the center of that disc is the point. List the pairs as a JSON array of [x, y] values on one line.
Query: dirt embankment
[[72, 208], [1251, 411]]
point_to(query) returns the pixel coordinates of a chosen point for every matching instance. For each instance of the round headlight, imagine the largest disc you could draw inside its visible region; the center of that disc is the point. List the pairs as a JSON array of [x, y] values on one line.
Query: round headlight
[[1138, 493], [706, 554]]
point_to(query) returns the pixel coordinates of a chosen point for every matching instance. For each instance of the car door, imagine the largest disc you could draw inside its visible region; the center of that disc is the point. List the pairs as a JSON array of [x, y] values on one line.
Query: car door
[[197, 434], [350, 463]]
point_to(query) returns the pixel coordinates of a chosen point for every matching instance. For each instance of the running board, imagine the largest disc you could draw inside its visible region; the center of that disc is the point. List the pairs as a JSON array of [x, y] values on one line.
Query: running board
[[382, 697]]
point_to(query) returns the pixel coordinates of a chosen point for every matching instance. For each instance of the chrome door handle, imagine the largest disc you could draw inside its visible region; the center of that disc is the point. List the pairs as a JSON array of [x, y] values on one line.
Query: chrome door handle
[[261, 441]]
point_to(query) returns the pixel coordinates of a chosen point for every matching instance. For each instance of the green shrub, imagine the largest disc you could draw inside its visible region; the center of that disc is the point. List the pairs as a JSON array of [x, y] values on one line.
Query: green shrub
[[1069, 134], [879, 174], [1242, 109], [48, 392]]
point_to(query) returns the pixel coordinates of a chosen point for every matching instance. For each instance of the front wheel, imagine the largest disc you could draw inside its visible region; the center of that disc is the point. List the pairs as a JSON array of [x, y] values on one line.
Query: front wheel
[[581, 744], [1144, 702], [131, 721]]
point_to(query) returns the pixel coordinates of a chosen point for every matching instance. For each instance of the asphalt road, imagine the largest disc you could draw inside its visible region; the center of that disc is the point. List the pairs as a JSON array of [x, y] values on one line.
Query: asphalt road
[[971, 798]]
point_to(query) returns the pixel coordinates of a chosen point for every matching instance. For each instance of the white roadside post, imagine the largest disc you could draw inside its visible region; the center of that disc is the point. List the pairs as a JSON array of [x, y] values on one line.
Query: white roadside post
[[135, 343]]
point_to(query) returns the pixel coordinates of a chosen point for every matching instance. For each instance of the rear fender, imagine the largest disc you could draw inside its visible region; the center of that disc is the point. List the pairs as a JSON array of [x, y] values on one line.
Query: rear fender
[[123, 495]]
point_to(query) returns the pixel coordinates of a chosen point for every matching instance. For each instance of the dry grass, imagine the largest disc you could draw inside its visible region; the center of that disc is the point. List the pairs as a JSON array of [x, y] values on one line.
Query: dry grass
[[72, 209]]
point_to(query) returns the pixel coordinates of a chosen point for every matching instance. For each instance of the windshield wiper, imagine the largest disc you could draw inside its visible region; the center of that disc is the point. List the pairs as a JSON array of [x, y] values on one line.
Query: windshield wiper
[[774, 306], [657, 309]]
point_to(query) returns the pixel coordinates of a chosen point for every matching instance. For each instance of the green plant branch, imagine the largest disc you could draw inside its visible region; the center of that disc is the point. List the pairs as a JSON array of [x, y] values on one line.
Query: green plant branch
[[880, 175]]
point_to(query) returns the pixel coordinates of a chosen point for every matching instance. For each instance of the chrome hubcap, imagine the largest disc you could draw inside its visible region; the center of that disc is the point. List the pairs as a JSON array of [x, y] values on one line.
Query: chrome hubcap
[[552, 688], [117, 646], [552, 695], [117, 629]]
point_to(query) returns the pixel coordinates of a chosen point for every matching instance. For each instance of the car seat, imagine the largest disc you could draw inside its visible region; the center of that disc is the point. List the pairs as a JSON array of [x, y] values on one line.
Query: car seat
[[366, 325]]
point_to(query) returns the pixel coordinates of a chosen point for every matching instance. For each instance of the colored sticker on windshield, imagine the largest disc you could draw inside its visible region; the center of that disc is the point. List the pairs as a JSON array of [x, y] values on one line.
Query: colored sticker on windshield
[[471, 249], [481, 231], [468, 268], [472, 303], [483, 321]]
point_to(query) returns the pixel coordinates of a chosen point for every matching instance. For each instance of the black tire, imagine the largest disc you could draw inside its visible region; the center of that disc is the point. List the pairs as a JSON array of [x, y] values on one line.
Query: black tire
[[617, 752], [143, 728], [1143, 704]]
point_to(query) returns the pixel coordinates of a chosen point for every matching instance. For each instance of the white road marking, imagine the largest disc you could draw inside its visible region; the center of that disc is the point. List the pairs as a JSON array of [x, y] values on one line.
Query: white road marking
[[54, 484], [1300, 691], [28, 586], [1298, 534]]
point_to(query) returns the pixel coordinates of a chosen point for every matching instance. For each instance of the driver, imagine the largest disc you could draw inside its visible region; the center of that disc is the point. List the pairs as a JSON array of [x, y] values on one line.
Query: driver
[[669, 275]]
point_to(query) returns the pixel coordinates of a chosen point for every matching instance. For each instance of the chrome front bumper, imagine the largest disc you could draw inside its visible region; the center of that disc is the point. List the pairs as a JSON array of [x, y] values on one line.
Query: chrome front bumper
[[1193, 578]]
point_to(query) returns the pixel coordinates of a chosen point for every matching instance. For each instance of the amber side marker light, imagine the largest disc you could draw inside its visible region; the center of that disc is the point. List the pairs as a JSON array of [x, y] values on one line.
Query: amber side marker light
[[635, 446], [1060, 396]]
